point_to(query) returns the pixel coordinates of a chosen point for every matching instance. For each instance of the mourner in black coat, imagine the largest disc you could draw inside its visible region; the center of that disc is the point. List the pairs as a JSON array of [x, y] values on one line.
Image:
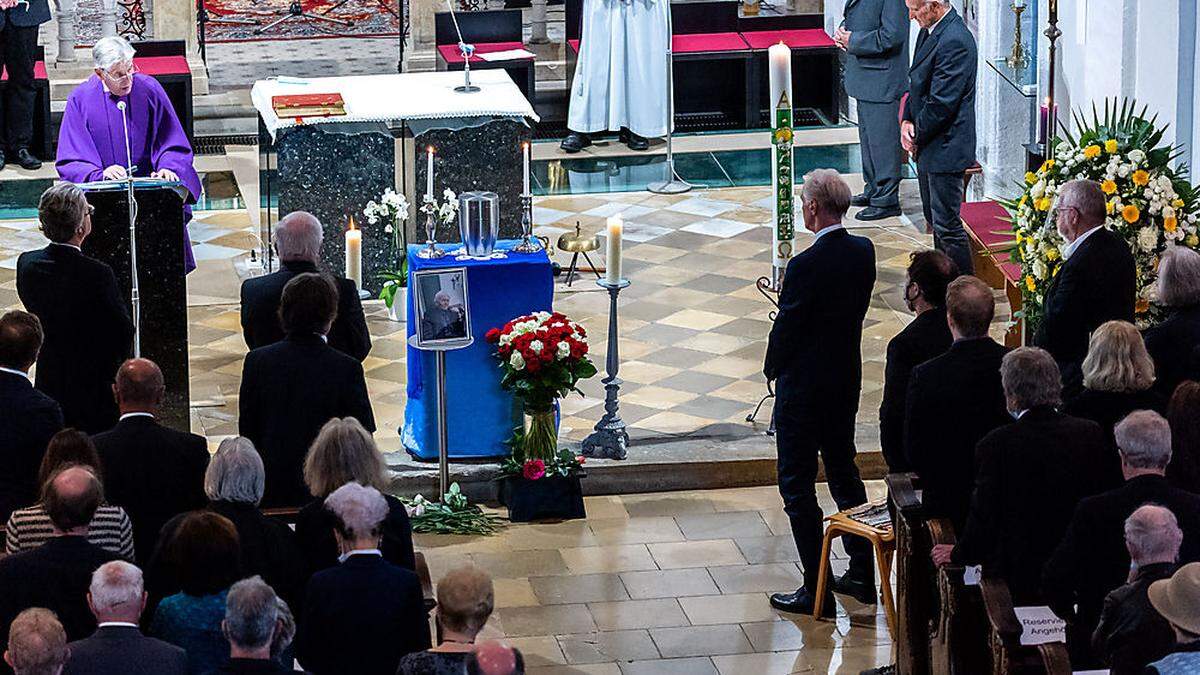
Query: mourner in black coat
[[814, 355], [88, 332], [290, 389], [28, 417], [1173, 344], [927, 336]]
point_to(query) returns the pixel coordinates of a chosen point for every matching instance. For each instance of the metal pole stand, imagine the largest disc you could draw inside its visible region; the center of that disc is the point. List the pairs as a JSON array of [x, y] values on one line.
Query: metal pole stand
[[528, 243], [610, 440], [673, 185], [442, 427], [466, 87], [135, 294]]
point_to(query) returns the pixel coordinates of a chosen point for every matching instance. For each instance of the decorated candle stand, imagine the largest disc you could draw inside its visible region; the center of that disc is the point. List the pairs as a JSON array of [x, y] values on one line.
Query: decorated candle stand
[[610, 439]]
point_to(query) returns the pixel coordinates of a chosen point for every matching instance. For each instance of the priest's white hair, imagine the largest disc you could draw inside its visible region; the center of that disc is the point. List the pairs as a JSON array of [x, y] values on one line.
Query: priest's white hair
[[114, 584], [111, 51], [360, 510]]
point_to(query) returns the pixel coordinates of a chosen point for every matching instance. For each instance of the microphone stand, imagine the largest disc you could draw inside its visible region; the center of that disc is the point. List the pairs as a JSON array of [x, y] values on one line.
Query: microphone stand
[[467, 50], [674, 184], [133, 211]]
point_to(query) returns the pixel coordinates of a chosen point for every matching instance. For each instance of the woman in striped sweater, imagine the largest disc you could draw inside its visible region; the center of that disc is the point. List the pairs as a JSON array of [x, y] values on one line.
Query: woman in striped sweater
[[30, 527]]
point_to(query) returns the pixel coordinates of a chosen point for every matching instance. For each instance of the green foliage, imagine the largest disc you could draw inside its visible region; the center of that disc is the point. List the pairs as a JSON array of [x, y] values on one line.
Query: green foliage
[[453, 515]]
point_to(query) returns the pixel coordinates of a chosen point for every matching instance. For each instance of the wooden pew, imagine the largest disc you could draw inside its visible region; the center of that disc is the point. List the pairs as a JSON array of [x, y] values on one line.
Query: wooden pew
[[958, 643], [1009, 656], [914, 575]]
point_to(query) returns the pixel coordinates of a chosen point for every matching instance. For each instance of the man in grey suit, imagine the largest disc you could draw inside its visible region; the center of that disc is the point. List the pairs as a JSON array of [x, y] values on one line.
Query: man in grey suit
[[18, 44], [117, 598], [874, 35], [939, 120]]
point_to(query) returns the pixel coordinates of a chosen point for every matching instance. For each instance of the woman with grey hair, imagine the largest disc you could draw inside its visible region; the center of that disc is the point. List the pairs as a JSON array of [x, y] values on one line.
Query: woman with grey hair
[[1117, 377], [345, 452], [1173, 343], [234, 485]]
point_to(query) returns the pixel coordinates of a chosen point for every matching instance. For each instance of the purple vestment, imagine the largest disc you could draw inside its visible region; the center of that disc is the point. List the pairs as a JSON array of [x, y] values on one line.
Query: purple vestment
[[92, 139]]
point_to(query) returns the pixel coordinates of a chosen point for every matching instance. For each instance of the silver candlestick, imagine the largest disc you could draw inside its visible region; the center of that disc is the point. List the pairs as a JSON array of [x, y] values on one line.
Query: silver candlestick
[[1017, 58], [431, 250], [610, 440], [528, 243]]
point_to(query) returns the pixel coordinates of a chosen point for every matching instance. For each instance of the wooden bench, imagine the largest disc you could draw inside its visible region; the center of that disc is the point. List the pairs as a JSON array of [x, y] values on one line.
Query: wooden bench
[[41, 144], [1008, 654], [491, 31], [992, 241], [915, 588]]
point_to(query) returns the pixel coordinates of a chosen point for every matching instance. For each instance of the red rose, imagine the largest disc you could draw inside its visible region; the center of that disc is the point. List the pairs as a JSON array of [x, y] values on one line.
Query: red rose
[[492, 335], [534, 469], [532, 364], [581, 459]]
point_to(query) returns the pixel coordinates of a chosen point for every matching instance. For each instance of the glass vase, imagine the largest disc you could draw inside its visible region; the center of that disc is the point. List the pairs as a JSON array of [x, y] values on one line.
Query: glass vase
[[541, 438]]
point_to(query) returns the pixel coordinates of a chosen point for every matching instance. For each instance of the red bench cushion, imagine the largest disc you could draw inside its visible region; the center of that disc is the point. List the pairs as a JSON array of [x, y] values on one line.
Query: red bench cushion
[[574, 45], [707, 42], [39, 72], [452, 54], [985, 220], [162, 65], [802, 38]]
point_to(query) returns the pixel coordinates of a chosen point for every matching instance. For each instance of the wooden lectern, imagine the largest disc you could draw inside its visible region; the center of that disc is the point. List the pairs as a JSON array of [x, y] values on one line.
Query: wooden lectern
[[163, 288]]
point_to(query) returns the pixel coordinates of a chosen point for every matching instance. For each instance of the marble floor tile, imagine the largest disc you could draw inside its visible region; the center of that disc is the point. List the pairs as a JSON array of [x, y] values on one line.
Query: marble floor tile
[[633, 614], [579, 588], [669, 583], [696, 554], [719, 227], [722, 525], [759, 550], [718, 609], [600, 559], [546, 620], [603, 646], [690, 666], [634, 530], [767, 578], [701, 640]]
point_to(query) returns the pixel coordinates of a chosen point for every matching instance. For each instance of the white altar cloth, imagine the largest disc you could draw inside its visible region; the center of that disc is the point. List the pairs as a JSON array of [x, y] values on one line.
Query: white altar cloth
[[402, 96]]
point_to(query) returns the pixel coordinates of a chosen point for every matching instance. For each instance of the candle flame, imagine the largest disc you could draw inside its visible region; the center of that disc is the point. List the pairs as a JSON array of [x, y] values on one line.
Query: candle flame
[[430, 149], [352, 223], [525, 144]]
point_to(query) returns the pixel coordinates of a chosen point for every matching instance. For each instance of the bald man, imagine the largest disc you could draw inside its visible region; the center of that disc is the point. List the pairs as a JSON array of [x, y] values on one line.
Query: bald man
[[56, 574], [297, 238], [150, 470]]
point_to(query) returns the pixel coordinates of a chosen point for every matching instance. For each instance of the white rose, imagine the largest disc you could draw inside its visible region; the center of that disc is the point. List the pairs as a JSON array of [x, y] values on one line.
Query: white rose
[[536, 346], [1147, 239], [1123, 171], [516, 361], [506, 339], [1039, 268], [564, 350], [1137, 156], [1038, 189]]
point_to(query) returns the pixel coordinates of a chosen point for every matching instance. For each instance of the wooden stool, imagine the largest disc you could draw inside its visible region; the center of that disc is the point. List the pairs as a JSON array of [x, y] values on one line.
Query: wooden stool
[[883, 539], [577, 244]]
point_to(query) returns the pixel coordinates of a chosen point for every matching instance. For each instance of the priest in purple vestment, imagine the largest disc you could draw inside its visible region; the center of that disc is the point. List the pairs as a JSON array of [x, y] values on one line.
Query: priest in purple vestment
[[91, 142]]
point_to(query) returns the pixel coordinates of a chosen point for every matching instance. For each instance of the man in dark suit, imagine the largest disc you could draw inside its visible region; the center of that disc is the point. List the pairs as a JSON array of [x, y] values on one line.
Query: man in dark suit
[[1091, 560], [88, 332], [28, 417], [814, 355], [1131, 634], [1096, 283], [1029, 476], [117, 598], [18, 46], [939, 120], [150, 470], [251, 624], [365, 614], [56, 574], [297, 240], [954, 400], [1173, 342], [927, 336], [874, 35], [292, 388]]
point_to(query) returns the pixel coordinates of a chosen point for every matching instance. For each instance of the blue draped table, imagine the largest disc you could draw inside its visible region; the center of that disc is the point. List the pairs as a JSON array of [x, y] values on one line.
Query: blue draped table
[[480, 416]]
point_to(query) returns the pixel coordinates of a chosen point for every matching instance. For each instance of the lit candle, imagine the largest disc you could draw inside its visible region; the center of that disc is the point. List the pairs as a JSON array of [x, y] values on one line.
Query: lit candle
[[354, 254], [429, 172], [613, 250], [525, 154]]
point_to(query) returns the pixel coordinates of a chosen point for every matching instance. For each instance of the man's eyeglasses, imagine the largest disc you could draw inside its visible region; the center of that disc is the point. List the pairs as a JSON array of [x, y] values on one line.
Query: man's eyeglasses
[[121, 78], [91, 210]]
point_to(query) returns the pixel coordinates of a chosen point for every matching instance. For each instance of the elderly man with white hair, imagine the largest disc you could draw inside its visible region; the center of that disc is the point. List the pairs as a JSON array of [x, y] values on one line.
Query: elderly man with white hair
[[91, 141], [1092, 559], [252, 622], [117, 598], [1173, 343], [365, 614], [297, 239]]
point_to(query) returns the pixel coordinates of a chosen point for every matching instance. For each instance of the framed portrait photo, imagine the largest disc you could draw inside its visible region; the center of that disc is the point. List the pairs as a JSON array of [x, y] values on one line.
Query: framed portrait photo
[[443, 318]]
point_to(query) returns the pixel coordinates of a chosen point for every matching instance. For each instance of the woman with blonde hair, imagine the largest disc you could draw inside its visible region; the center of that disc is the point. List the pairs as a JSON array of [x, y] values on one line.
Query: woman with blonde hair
[[1117, 377], [345, 452]]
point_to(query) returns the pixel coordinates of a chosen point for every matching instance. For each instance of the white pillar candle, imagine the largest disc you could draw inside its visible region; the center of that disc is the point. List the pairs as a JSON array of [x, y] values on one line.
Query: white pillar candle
[[779, 73], [429, 172], [354, 254], [525, 154], [613, 250]]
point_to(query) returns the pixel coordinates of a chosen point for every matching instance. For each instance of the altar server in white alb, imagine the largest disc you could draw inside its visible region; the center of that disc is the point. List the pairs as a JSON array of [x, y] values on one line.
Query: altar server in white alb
[[621, 78]]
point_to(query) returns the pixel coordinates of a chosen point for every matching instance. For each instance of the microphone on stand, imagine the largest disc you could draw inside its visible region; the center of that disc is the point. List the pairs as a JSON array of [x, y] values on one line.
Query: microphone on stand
[[467, 50], [134, 292]]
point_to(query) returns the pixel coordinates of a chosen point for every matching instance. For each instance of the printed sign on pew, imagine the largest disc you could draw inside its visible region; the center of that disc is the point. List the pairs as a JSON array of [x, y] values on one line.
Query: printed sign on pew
[[1040, 625]]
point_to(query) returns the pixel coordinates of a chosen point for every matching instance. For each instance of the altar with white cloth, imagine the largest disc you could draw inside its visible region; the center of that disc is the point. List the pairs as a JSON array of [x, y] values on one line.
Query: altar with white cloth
[[332, 166]]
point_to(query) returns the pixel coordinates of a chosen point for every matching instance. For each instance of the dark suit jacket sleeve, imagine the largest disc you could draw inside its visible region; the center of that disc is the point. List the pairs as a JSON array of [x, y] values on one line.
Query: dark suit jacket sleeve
[[1061, 570], [358, 402], [892, 409], [914, 422], [888, 39], [974, 545], [952, 76], [354, 325], [1064, 311], [247, 321], [794, 303]]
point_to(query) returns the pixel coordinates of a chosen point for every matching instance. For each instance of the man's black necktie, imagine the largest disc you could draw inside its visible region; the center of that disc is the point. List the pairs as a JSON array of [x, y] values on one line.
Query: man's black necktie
[[922, 35]]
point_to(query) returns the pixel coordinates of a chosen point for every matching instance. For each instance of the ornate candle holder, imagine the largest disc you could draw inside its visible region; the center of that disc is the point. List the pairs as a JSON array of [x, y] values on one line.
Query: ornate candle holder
[[1017, 58], [610, 440], [429, 208], [528, 243]]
